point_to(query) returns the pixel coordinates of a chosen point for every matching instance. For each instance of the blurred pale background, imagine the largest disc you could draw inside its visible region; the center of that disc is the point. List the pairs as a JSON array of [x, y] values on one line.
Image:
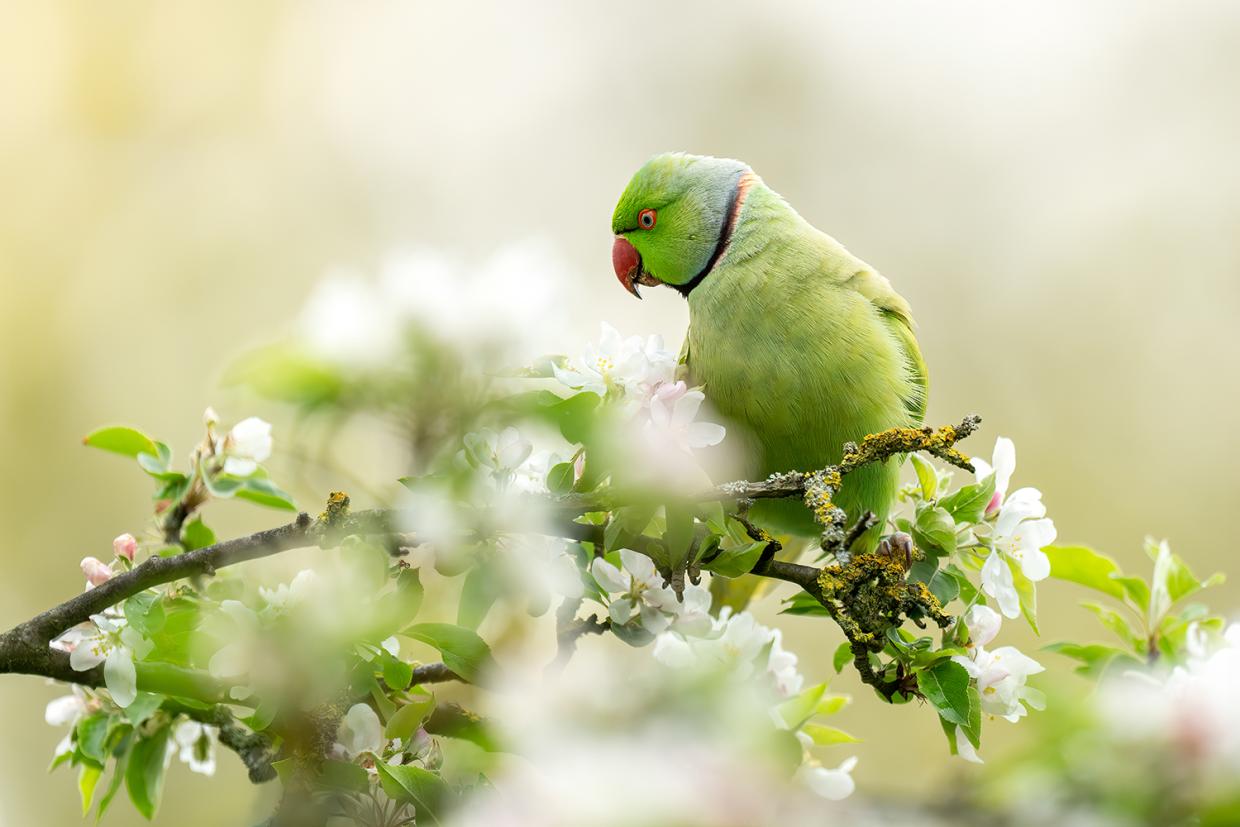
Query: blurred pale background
[[1053, 185]]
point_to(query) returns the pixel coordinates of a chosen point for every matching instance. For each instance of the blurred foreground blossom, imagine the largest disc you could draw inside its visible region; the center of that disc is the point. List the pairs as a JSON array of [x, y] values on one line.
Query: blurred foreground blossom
[[1190, 713], [609, 746], [363, 321]]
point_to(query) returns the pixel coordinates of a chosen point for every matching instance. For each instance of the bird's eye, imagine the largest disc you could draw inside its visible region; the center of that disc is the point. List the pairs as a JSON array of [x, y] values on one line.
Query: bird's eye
[[646, 219]]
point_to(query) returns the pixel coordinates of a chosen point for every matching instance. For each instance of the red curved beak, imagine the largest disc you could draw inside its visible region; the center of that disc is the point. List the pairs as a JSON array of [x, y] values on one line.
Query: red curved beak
[[627, 263]]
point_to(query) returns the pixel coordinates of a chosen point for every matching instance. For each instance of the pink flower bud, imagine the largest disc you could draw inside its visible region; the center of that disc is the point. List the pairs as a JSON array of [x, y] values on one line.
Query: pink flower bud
[[125, 546], [669, 392], [97, 572], [992, 507]]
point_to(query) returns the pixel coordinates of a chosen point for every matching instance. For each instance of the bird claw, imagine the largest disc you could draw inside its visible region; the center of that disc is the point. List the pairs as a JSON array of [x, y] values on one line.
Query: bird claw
[[898, 547]]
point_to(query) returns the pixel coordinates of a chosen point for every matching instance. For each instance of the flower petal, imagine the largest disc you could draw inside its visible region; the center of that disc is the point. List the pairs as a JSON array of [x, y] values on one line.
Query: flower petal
[[997, 582], [120, 676], [608, 576]]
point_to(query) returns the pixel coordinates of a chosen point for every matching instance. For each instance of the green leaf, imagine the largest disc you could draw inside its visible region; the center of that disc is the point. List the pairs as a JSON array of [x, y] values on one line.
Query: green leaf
[[426, 791], [843, 655], [803, 603], [159, 464], [927, 478], [396, 673], [478, 594], [561, 477], [679, 535], [575, 415], [342, 775], [796, 711], [265, 492], [399, 607], [125, 441], [935, 530], [968, 504], [824, 736], [145, 612], [1083, 565], [88, 777], [463, 651], [1093, 657], [1026, 590], [406, 720], [946, 687], [968, 591], [1118, 624], [114, 783], [92, 731], [831, 704], [196, 535], [144, 776], [1137, 591], [944, 586], [143, 707], [737, 561]]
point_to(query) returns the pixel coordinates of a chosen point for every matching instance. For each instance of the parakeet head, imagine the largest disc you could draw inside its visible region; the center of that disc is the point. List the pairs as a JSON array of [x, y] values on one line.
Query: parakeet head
[[675, 219]]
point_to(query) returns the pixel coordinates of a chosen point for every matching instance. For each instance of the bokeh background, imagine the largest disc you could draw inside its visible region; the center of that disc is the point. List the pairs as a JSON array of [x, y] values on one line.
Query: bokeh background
[[1053, 185]]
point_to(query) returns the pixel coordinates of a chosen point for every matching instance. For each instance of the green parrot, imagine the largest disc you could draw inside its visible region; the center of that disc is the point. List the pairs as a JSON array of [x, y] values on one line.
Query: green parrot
[[793, 338]]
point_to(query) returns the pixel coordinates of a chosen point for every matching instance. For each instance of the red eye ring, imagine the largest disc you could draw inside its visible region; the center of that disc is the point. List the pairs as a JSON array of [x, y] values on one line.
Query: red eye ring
[[646, 219]]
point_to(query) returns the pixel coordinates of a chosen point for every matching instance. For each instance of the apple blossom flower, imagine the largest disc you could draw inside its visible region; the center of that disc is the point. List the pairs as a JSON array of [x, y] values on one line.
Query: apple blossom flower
[[983, 623], [1022, 546], [111, 641], [833, 785], [641, 591], [672, 414], [613, 365], [500, 454], [245, 446], [965, 748], [125, 546], [735, 643], [97, 572], [1000, 674], [196, 744], [235, 658], [1002, 464], [360, 731], [67, 710], [302, 586]]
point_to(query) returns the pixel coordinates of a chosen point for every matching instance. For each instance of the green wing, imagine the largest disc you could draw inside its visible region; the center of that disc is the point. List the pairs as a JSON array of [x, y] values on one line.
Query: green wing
[[898, 324], [898, 317]]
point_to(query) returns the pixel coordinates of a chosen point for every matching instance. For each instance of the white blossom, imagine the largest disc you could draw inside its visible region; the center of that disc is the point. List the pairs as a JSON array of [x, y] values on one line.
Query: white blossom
[[614, 364], [246, 445], [302, 587], [499, 454], [111, 641], [195, 743], [1016, 531], [833, 785], [1188, 715], [735, 643], [672, 425], [641, 591], [360, 731], [1000, 674]]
